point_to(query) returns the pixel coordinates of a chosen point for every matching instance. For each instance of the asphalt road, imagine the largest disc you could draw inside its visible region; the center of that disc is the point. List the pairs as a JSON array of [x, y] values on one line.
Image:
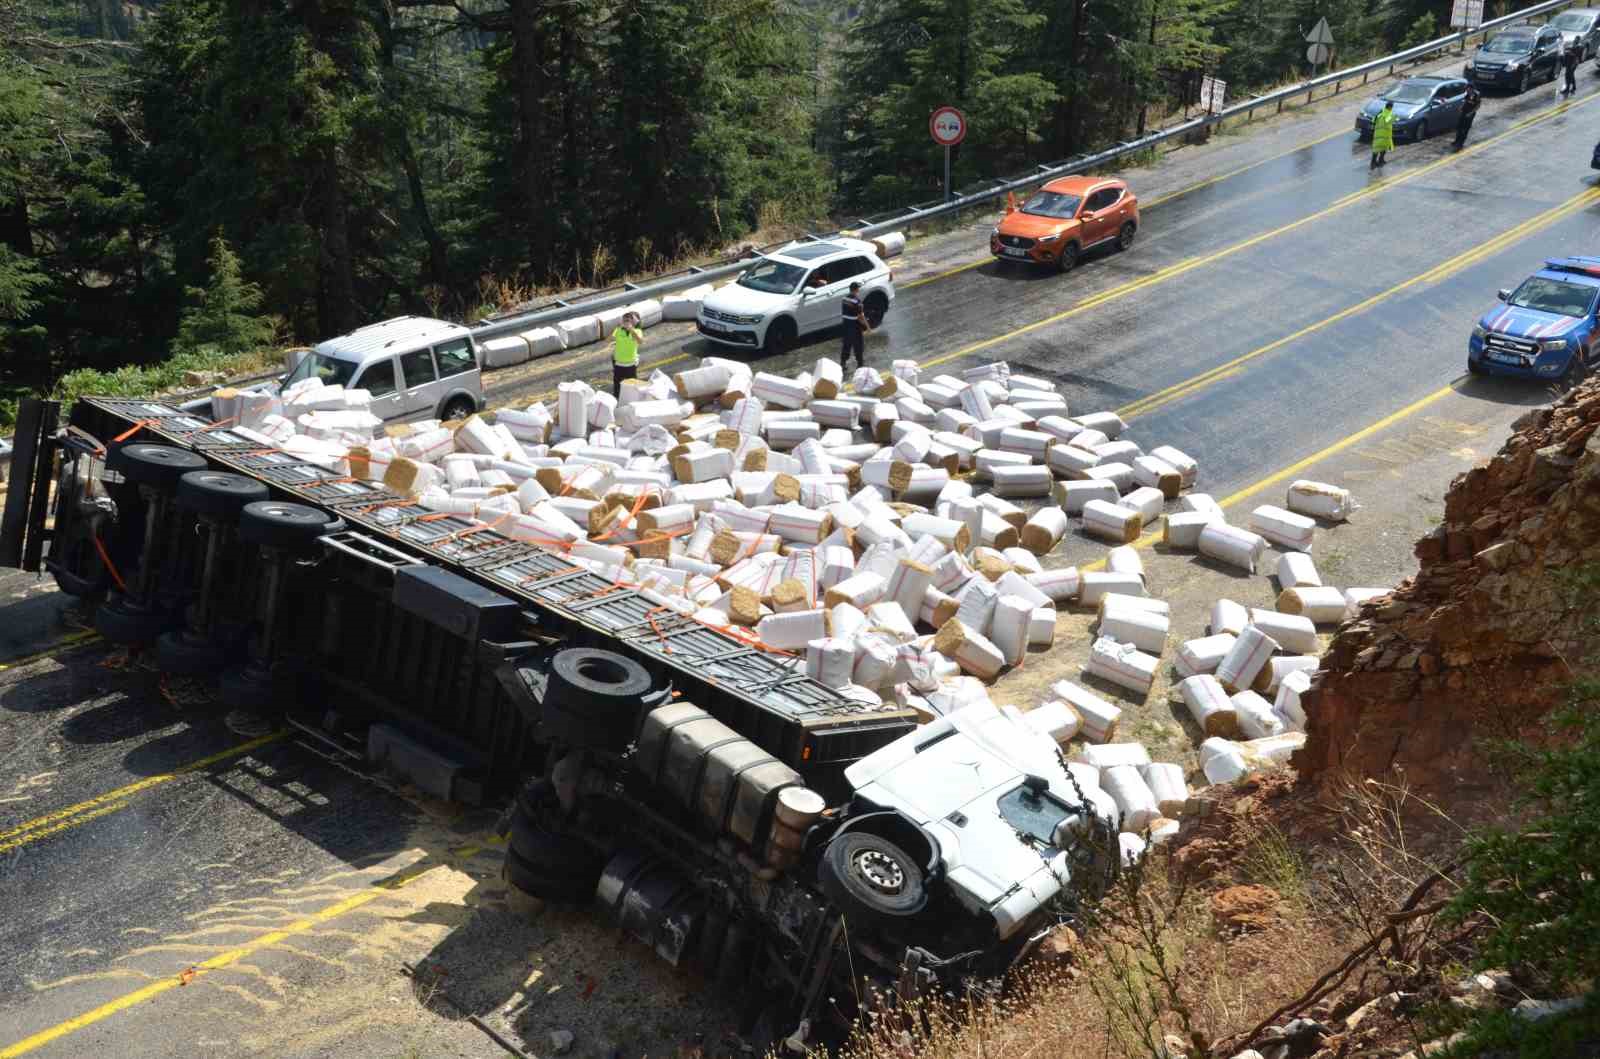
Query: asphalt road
[[1282, 314]]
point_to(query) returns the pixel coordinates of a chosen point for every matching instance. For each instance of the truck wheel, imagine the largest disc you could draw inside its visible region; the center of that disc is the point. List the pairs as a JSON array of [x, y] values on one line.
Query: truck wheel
[[158, 466], [277, 524], [177, 654], [871, 879], [1573, 377], [129, 627], [545, 883], [593, 698], [218, 493]]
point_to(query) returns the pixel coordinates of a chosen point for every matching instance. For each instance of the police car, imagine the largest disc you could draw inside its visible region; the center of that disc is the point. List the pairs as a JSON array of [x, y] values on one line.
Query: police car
[[1545, 329]]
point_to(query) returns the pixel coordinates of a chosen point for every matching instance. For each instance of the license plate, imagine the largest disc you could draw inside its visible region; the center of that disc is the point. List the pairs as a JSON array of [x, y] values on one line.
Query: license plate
[[1505, 358], [1012, 251], [714, 328]]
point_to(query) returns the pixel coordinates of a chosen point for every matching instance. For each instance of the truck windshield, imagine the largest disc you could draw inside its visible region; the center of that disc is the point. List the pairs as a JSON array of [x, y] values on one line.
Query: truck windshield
[[773, 277], [331, 370], [1554, 296], [1052, 204], [1035, 815]]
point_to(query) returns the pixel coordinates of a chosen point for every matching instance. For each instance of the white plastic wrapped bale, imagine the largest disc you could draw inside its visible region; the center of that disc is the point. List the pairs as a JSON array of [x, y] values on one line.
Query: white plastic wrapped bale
[[1111, 602], [1131, 848], [1147, 501], [889, 244], [1144, 629], [685, 305], [1202, 655], [703, 383], [1118, 452], [1054, 718], [792, 631], [1283, 528], [636, 415], [1119, 474], [1208, 703], [973, 652], [1122, 664], [1203, 503], [1008, 628], [1188, 470], [1061, 585], [1166, 781], [1158, 474], [1112, 522], [1245, 659], [1181, 529], [1099, 717], [1255, 716], [542, 341], [1288, 704], [1029, 480], [1072, 496], [1136, 804], [1233, 546], [1324, 606], [1113, 755], [830, 661], [908, 584], [1222, 761], [1022, 561], [1042, 627], [827, 378], [1271, 677], [1108, 423], [1228, 616], [1320, 500], [1124, 559], [1271, 751], [579, 331], [648, 311], [777, 391], [504, 351], [1293, 632], [1297, 569], [531, 425], [1071, 462], [1357, 597], [1096, 584]]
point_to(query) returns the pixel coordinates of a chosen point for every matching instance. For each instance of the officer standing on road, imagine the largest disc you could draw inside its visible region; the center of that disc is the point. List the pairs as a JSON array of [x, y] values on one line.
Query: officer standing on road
[[1382, 134], [853, 317], [625, 352], [1469, 110], [1569, 62]]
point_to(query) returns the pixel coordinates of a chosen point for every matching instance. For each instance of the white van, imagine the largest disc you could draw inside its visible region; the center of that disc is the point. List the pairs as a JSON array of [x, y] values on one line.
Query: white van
[[414, 367]]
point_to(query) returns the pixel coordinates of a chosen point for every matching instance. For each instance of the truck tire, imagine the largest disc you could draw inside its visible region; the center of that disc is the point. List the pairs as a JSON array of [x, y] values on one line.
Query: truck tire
[[873, 881], [593, 698], [158, 466], [545, 883], [276, 524], [218, 493], [127, 626], [177, 653]]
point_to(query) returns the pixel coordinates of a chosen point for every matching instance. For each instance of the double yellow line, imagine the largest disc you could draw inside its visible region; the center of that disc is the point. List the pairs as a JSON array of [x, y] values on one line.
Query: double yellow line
[[104, 804]]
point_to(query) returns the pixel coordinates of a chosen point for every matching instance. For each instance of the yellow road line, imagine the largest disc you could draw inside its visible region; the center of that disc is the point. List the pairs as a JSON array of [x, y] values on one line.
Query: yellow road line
[[1177, 391], [1299, 465], [300, 926], [1190, 264], [70, 640], [83, 812]]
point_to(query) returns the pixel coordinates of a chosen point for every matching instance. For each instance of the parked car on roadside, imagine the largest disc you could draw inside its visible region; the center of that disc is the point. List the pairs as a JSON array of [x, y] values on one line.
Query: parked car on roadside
[[1065, 219], [414, 368], [1422, 106], [795, 291], [1516, 58], [1581, 25], [1545, 329]]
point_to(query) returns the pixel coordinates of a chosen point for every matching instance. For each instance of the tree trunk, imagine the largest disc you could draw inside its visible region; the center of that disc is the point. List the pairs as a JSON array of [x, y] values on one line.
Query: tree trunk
[[336, 296], [438, 264], [16, 231], [527, 65]]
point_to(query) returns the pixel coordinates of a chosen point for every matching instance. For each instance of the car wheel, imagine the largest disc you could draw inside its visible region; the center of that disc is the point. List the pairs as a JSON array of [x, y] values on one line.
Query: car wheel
[[781, 334], [1125, 235], [1522, 83], [875, 306], [1473, 367], [1573, 377], [873, 881], [1067, 258], [459, 407]]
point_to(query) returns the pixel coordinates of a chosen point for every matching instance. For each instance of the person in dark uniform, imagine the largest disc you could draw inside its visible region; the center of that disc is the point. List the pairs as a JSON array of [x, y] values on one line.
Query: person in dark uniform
[[1469, 111], [1569, 62], [853, 317]]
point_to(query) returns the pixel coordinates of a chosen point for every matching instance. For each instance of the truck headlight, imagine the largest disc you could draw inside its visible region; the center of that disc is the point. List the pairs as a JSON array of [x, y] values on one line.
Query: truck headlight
[[1553, 343], [1480, 333]]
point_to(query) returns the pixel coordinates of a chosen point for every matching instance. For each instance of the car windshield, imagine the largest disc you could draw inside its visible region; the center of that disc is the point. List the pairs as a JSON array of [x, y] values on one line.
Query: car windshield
[[331, 370], [774, 277], [1510, 45], [1554, 296], [1409, 93], [1052, 204], [1574, 21]]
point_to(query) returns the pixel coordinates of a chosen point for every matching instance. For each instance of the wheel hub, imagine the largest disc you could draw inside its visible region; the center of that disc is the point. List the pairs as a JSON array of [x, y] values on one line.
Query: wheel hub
[[879, 871]]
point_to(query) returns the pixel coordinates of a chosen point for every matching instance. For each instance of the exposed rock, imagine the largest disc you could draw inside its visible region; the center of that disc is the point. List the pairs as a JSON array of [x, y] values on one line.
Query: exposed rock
[[561, 1041], [1473, 645], [1245, 908], [1060, 946], [1536, 1010]]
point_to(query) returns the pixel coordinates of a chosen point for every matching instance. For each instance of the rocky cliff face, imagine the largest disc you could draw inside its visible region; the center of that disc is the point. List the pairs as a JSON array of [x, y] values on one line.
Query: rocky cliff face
[[1477, 644]]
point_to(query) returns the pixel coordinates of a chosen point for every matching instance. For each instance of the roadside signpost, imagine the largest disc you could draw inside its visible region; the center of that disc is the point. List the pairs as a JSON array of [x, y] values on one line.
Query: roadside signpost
[[1466, 14], [948, 127], [1212, 94], [1321, 41]]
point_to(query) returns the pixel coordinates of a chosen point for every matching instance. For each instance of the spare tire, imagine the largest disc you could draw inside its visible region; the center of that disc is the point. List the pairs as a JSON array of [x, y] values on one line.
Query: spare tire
[[158, 466], [279, 524], [218, 493], [594, 698]]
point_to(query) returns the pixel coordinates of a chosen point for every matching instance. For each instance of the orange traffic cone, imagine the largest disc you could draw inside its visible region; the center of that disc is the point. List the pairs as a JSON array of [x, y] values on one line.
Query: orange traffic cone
[[1011, 202]]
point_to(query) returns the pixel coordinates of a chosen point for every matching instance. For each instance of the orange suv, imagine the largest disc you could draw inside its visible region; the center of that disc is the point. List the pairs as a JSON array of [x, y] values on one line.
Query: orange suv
[[1065, 218]]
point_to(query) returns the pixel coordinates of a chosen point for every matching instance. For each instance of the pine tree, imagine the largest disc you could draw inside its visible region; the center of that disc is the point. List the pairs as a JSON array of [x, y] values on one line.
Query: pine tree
[[224, 317]]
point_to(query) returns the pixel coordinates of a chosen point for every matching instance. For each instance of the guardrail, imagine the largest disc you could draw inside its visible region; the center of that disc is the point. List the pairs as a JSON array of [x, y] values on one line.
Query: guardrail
[[628, 293]]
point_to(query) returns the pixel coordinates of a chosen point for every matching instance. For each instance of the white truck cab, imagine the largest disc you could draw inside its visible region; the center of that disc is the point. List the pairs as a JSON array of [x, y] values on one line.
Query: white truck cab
[[414, 367]]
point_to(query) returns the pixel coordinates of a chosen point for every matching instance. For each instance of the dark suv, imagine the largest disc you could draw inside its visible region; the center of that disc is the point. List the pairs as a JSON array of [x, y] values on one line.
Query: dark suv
[[1516, 58]]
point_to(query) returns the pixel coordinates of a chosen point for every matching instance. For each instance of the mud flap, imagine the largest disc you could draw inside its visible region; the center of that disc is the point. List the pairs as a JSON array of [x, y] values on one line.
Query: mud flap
[[22, 532]]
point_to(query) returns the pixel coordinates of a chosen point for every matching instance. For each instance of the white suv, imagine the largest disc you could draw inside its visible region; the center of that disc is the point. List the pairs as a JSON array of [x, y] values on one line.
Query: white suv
[[796, 291]]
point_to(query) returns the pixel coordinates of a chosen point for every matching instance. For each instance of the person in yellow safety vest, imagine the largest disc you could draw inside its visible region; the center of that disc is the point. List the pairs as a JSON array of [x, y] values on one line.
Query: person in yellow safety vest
[[625, 352], [1382, 135]]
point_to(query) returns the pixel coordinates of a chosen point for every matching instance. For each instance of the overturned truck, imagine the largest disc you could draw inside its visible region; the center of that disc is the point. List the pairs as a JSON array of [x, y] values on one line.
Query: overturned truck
[[808, 852]]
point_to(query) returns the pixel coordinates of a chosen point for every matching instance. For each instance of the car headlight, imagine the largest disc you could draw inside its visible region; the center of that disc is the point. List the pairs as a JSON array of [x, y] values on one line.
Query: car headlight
[[1471, 65], [1049, 238], [745, 319], [1553, 343], [1514, 65], [1480, 332], [995, 234]]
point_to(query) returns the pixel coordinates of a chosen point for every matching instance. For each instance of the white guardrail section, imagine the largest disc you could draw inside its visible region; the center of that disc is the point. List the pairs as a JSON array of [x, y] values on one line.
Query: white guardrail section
[[987, 191]]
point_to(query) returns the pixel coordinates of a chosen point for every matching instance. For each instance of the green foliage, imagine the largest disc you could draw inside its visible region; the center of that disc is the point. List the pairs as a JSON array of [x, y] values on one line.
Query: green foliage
[[1538, 885], [1424, 29], [224, 317]]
